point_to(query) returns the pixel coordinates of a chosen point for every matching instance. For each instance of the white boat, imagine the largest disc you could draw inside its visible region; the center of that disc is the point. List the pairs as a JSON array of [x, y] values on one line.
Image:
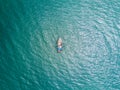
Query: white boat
[[59, 45]]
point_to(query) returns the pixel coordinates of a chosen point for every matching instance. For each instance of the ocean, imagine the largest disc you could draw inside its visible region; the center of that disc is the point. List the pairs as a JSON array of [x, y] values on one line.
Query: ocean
[[29, 30]]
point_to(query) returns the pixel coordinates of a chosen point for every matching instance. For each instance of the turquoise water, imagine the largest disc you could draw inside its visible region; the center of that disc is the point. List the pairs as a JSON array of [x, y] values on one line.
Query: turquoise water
[[90, 59]]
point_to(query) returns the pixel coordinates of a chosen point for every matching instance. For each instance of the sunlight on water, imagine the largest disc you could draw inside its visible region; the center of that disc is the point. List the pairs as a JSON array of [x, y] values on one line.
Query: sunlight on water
[[28, 40]]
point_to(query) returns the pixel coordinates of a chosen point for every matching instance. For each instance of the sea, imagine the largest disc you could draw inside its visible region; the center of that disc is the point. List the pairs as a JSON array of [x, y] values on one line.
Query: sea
[[90, 57]]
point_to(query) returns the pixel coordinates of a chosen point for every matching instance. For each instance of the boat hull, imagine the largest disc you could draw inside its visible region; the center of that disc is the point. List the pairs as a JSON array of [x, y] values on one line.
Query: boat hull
[[59, 45]]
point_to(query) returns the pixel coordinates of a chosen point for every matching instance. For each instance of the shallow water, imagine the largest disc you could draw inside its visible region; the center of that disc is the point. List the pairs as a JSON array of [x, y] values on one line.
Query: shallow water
[[90, 59]]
